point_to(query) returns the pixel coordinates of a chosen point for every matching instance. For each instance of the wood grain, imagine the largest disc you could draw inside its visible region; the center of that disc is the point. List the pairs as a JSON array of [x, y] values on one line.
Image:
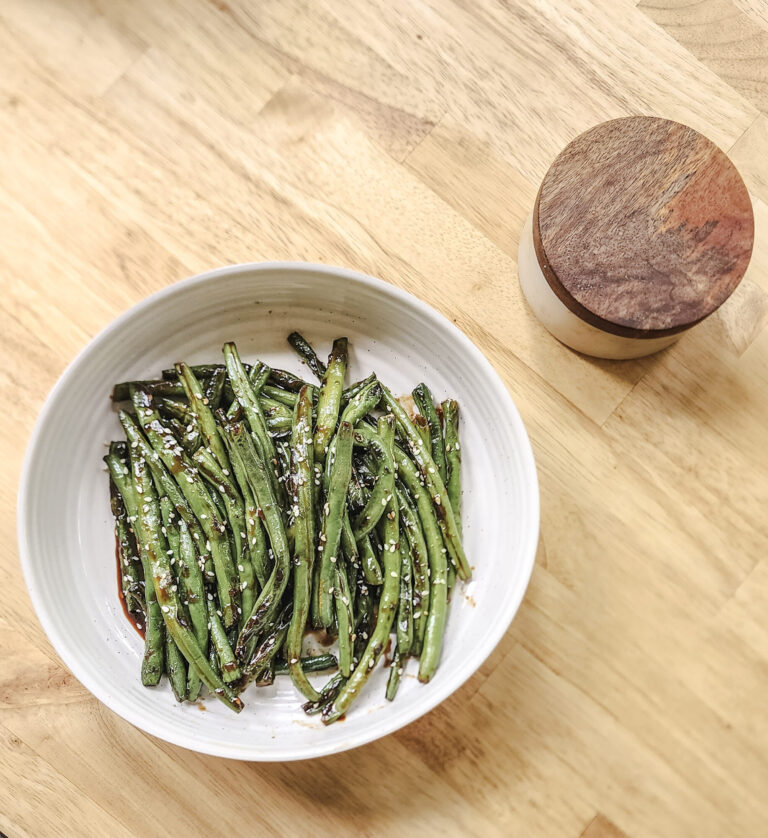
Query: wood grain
[[145, 141], [642, 227]]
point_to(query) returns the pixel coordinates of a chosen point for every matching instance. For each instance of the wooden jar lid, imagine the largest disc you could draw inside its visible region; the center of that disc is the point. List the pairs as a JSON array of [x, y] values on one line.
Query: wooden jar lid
[[642, 227]]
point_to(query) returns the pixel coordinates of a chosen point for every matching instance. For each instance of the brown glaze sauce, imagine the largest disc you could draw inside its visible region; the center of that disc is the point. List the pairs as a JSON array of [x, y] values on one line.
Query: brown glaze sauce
[[321, 637], [135, 620], [388, 653]]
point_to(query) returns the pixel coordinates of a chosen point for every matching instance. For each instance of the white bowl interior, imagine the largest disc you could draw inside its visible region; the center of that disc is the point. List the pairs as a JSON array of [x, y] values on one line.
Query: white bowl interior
[[65, 527]]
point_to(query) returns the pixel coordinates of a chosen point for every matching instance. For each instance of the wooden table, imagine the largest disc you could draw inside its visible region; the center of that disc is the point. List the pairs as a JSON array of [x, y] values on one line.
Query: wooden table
[[144, 141]]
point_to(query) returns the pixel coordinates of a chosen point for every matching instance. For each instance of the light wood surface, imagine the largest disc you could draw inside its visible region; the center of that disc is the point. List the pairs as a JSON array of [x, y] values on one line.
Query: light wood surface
[[144, 141]]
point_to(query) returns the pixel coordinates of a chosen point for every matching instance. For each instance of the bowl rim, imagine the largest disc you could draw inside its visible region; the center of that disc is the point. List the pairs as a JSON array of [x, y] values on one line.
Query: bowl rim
[[437, 693]]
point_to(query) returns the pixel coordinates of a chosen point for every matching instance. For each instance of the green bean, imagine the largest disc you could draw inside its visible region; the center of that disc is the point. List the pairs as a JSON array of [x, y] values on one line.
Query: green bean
[[438, 602], [265, 653], [348, 543], [338, 471], [198, 498], [362, 403], [329, 692], [286, 380], [363, 618], [383, 489], [254, 416], [274, 409], [329, 400], [175, 669], [424, 399], [269, 598], [437, 491], [371, 567], [405, 605], [453, 456], [154, 542], [169, 389], [258, 376], [307, 354], [200, 371], [344, 617], [350, 392], [131, 573], [387, 603], [214, 388], [152, 663], [365, 551], [173, 409], [167, 486], [213, 660], [411, 526], [257, 543], [223, 485], [271, 396], [190, 445], [395, 674], [230, 671], [203, 413], [309, 663], [266, 676], [302, 476], [175, 666], [422, 426], [193, 590]]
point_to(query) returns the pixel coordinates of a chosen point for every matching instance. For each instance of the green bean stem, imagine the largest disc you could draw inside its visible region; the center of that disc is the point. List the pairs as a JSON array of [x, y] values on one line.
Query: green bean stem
[[305, 351]]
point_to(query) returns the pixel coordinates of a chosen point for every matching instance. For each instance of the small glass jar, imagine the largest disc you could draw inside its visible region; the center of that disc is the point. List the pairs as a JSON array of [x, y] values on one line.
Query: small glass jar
[[642, 227]]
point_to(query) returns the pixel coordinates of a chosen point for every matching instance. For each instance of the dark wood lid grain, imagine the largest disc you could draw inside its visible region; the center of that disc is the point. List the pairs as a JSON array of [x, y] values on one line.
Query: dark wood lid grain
[[643, 227]]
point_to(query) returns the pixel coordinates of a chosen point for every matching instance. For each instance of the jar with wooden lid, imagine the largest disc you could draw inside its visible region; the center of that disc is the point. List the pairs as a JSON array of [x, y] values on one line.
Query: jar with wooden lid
[[642, 227]]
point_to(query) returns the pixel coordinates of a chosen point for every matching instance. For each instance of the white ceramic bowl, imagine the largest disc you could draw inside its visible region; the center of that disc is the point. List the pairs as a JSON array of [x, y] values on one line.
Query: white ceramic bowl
[[65, 529]]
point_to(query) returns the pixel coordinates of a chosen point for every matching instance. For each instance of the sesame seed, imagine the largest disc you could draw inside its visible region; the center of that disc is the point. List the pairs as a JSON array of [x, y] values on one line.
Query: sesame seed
[[166, 609]]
